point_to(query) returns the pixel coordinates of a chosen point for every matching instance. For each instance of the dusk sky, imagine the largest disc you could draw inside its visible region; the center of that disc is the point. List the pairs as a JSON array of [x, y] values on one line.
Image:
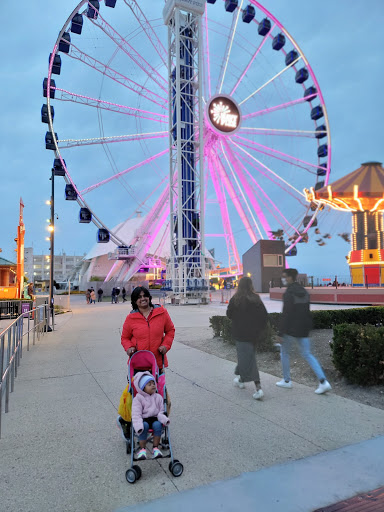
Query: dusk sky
[[342, 41]]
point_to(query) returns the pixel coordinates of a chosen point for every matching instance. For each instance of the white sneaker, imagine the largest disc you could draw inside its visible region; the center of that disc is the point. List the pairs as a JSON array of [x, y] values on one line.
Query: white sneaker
[[283, 384], [237, 382], [323, 388], [258, 395]]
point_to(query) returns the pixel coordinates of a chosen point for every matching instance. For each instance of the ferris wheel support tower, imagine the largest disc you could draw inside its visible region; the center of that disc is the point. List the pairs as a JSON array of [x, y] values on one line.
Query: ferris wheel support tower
[[186, 269]]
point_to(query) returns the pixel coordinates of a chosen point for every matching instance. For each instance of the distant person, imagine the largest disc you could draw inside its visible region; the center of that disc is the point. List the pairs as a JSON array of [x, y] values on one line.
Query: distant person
[[113, 295], [123, 294], [93, 296], [88, 296], [249, 323], [117, 293], [296, 324], [30, 291], [100, 295]]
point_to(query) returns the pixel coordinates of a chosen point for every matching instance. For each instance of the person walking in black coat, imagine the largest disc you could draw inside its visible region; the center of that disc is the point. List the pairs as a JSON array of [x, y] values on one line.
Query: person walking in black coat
[[100, 295], [295, 325], [249, 323], [123, 294], [113, 295]]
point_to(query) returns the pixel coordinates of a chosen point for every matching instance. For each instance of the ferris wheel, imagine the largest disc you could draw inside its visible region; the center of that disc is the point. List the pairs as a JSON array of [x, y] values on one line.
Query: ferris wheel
[[265, 125]]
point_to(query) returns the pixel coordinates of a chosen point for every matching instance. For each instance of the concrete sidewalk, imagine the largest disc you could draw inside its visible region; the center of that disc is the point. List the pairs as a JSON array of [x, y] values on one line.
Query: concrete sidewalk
[[61, 450]]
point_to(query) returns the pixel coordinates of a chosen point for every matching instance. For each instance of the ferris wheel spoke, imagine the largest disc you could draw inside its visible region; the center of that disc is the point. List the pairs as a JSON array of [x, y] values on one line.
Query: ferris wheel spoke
[[249, 130], [271, 207], [70, 143], [135, 56], [76, 54], [235, 200], [255, 146], [233, 255], [232, 165], [270, 80], [148, 30], [207, 61], [265, 38], [279, 107], [281, 182], [122, 173], [249, 191], [235, 20], [107, 105]]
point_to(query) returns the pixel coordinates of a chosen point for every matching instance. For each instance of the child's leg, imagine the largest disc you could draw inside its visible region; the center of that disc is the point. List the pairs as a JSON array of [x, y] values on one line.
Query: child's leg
[[143, 436], [157, 429]]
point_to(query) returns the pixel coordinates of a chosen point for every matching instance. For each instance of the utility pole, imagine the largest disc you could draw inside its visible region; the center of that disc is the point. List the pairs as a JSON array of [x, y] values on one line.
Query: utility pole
[[52, 249]]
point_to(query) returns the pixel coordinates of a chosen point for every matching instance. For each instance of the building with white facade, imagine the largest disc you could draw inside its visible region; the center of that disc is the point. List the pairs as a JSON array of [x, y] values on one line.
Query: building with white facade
[[37, 266]]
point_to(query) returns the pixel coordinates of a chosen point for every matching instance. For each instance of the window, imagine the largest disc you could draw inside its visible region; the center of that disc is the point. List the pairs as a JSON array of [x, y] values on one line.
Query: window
[[273, 260]]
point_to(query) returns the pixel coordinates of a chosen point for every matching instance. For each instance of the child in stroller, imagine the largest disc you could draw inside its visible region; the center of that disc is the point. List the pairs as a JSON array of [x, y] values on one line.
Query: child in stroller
[[148, 412]]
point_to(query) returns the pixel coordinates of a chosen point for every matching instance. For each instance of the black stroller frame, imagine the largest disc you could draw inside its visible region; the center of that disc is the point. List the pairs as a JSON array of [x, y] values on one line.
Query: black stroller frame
[[175, 466]]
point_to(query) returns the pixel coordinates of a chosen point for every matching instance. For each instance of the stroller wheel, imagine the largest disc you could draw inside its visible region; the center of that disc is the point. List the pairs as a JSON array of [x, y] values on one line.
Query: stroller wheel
[[176, 468], [138, 471], [131, 476]]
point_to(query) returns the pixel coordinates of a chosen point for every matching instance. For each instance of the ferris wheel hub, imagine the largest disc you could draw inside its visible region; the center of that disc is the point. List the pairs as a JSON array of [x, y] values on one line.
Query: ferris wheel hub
[[223, 114]]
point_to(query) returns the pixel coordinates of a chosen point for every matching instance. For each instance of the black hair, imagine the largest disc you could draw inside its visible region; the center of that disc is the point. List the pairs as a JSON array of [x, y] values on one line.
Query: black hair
[[291, 272], [136, 293]]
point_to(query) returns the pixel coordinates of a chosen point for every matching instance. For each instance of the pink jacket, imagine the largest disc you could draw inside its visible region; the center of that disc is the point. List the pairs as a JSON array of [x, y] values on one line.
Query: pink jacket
[[146, 406]]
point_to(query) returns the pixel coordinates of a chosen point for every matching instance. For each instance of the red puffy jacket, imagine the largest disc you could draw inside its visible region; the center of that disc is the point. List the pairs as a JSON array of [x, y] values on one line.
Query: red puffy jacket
[[149, 334]]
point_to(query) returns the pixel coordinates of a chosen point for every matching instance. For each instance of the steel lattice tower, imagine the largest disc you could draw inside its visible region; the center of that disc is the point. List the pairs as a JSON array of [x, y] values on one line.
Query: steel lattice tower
[[186, 271]]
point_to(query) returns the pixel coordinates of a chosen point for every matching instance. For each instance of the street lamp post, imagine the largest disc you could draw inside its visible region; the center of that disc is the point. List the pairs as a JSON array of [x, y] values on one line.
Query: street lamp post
[[52, 249]]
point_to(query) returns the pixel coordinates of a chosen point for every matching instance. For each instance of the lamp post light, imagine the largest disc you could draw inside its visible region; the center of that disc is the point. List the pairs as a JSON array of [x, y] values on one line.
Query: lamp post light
[[51, 228], [56, 171]]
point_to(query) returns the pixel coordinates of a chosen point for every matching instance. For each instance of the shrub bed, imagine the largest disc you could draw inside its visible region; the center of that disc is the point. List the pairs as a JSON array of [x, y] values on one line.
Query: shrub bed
[[358, 353], [221, 326], [321, 319]]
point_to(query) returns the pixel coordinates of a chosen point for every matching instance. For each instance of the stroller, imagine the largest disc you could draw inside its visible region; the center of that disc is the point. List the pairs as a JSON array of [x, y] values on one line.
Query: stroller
[[143, 360]]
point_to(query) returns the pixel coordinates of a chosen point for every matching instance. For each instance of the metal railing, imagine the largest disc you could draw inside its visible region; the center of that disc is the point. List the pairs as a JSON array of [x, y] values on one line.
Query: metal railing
[[32, 324]]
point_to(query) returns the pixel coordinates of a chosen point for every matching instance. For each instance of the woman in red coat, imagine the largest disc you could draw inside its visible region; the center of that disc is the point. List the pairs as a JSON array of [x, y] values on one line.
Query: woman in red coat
[[147, 327]]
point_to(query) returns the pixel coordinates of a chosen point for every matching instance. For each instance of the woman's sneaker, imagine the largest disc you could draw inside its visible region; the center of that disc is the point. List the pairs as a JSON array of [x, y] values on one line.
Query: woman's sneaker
[[124, 427], [258, 395], [284, 384], [141, 454], [156, 453], [323, 388], [237, 382]]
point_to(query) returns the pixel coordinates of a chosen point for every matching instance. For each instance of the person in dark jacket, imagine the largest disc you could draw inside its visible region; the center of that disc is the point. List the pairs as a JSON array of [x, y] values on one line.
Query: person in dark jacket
[[249, 323], [295, 325]]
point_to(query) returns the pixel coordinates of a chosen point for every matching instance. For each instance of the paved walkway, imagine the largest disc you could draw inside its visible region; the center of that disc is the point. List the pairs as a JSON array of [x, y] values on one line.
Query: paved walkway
[[60, 449]]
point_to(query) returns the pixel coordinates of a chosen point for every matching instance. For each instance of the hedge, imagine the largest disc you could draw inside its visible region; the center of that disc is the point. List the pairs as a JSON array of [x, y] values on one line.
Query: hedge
[[221, 326], [358, 353], [326, 319]]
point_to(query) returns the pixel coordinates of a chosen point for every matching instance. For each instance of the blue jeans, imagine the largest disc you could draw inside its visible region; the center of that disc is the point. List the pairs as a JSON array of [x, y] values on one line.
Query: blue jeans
[[305, 351], [157, 429]]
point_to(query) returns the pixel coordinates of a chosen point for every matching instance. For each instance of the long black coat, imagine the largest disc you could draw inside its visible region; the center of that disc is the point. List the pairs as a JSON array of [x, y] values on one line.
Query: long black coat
[[249, 318]]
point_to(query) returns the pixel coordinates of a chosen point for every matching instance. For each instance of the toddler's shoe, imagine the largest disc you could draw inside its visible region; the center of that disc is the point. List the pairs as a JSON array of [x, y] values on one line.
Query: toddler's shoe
[[323, 388], [258, 395], [237, 382], [284, 384], [156, 453], [141, 454]]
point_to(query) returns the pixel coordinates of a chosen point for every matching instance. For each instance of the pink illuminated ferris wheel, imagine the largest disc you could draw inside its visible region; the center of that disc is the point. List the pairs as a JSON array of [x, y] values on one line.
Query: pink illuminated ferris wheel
[[265, 125]]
